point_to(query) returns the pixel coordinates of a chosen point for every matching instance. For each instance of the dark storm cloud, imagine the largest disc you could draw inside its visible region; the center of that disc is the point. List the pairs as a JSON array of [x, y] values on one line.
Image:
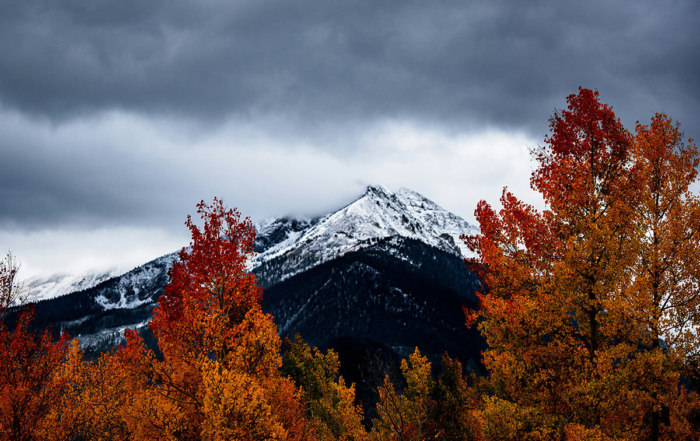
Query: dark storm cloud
[[506, 64], [317, 73]]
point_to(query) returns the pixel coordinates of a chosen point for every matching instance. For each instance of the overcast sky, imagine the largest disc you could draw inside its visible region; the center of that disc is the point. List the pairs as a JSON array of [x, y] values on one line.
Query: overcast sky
[[117, 117]]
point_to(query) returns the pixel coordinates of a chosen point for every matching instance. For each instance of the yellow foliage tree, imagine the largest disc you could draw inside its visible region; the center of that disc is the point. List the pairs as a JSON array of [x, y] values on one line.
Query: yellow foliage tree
[[329, 403], [406, 416]]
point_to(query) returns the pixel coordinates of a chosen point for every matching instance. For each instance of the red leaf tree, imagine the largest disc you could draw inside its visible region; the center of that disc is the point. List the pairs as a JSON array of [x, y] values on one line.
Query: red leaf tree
[[31, 380], [210, 290], [219, 377]]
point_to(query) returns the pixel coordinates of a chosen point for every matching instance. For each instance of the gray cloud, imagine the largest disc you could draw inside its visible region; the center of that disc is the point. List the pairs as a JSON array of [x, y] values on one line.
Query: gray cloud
[[461, 64], [125, 114], [119, 170], [49, 179]]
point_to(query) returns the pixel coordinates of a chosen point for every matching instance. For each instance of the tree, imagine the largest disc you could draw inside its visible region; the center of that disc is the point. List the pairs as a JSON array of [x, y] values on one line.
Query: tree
[[31, 384], [10, 289], [219, 377], [209, 291], [328, 402], [454, 417], [94, 397], [566, 307], [406, 417], [425, 409], [665, 287]]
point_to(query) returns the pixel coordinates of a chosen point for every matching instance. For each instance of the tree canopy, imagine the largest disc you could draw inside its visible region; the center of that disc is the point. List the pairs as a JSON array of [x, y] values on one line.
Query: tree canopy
[[589, 306]]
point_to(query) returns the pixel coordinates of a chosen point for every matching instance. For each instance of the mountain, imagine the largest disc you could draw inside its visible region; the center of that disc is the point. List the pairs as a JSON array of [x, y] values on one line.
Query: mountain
[[373, 280], [397, 292], [99, 315], [298, 245], [48, 286]]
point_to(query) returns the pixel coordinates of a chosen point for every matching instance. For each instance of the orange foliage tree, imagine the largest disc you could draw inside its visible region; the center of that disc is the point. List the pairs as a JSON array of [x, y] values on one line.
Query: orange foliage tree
[[31, 380], [95, 395], [219, 374], [577, 299], [665, 282]]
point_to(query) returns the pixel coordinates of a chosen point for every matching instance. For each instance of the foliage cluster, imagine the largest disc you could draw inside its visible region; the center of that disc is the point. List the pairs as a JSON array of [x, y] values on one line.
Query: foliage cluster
[[590, 308]]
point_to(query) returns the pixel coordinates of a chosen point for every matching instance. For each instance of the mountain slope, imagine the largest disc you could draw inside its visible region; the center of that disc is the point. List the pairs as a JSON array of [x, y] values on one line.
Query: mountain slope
[[99, 315], [54, 285], [398, 292]]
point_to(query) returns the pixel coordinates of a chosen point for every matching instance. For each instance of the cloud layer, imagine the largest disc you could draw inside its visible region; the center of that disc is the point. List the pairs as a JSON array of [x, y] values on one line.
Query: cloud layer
[[465, 64], [122, 115]]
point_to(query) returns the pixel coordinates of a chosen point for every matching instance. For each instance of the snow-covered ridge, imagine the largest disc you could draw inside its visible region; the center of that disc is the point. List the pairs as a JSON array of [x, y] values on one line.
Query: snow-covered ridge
[[135, 288], [132, 286], [49, 286], [378, 214]]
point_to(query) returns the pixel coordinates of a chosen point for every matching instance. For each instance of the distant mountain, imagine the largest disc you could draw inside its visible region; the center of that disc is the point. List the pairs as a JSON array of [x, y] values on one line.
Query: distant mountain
[[48, 286], [376, 278], [99, 315]]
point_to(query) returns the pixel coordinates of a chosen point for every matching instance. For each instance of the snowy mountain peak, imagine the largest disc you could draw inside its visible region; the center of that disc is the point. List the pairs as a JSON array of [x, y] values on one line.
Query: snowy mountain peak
[[273, 231], [377, 214], [381, 213]]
